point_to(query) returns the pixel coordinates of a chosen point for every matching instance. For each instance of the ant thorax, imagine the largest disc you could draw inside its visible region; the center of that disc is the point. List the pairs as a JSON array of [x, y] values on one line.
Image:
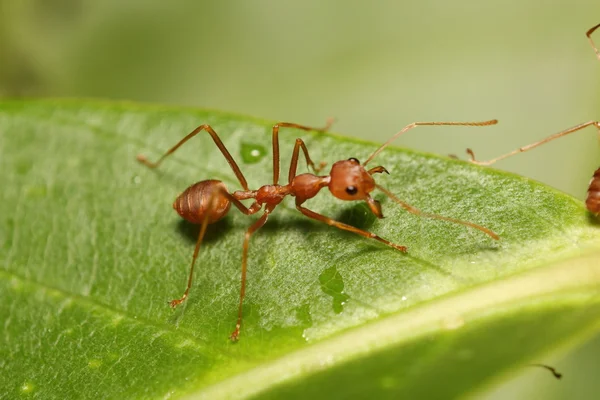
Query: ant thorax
[[306, 186]]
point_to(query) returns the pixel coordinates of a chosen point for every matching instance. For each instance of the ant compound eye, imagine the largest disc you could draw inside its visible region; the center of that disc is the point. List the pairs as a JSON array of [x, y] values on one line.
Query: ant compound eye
[[354, 159], [351, 190]]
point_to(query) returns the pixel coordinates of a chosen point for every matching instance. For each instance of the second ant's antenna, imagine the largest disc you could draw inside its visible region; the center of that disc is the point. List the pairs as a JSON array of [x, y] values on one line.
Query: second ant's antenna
[[415, 124]]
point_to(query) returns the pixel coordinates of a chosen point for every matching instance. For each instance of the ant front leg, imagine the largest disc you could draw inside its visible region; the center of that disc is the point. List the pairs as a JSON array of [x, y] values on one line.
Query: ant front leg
[[275, 141], [236, 169], [345, 227]]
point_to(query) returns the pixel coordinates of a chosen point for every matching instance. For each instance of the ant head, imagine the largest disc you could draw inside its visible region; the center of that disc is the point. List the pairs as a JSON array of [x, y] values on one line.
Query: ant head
[[351, 181]]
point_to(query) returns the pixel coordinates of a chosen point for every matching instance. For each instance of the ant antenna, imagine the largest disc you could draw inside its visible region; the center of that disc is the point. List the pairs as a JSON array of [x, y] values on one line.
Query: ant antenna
[[416, 211], [556, 374], [415, 124]]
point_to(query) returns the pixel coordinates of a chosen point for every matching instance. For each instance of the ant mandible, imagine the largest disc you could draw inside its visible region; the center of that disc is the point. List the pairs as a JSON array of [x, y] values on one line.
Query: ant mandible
[[592, 201], [208, 201]]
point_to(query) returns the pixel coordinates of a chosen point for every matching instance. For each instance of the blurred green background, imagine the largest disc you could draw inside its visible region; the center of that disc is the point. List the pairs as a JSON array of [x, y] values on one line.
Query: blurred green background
[[375, 66]]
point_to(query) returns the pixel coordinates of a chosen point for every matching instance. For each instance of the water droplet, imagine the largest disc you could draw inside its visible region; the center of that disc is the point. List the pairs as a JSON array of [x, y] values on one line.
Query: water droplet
[[136, 180], [252, 153], [332, 284], [27, 387]]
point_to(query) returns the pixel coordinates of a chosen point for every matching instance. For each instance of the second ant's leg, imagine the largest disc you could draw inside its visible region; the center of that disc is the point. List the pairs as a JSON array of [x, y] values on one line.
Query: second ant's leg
[[213, 202], [261, 221], [276, 142], [236, 170], [535, 144], [349, 228]]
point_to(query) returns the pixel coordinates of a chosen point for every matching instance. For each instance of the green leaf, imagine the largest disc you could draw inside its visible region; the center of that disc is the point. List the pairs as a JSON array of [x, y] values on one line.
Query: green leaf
[[91, 252]]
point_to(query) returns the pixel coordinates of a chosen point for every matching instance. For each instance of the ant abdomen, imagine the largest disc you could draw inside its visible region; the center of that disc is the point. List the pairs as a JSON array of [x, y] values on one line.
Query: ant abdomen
[[193, 204], [593, 198]]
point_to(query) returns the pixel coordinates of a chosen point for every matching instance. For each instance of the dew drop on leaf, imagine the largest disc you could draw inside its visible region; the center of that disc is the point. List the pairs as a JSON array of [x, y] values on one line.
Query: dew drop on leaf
[[27, 388], [252, 153], [332, 284]]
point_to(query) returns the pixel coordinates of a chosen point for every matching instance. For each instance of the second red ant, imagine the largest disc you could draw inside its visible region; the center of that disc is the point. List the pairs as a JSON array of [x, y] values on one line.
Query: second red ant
[[208, 201]]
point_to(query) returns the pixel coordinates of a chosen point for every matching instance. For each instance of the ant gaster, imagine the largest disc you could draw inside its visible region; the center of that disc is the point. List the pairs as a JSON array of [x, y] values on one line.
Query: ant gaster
[[208, 201], [592, 201]]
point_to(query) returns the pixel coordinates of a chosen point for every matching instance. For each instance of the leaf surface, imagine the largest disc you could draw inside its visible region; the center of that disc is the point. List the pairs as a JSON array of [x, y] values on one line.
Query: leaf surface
[[91, 251]]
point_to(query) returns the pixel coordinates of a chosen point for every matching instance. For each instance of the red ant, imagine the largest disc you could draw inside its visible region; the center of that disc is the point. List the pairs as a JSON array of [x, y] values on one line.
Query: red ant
[[208, 201], [592, 201]]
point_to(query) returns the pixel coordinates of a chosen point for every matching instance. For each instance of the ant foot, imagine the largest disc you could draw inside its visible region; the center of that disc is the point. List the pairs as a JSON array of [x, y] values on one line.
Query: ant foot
[[142, 158], [471, 153], [235, 336], [401, 248], [175, 303]]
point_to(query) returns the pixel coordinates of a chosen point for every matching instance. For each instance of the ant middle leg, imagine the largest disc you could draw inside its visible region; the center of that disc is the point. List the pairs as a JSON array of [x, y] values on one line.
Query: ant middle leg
[[275, 141], [236, 169], [535, 144]]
